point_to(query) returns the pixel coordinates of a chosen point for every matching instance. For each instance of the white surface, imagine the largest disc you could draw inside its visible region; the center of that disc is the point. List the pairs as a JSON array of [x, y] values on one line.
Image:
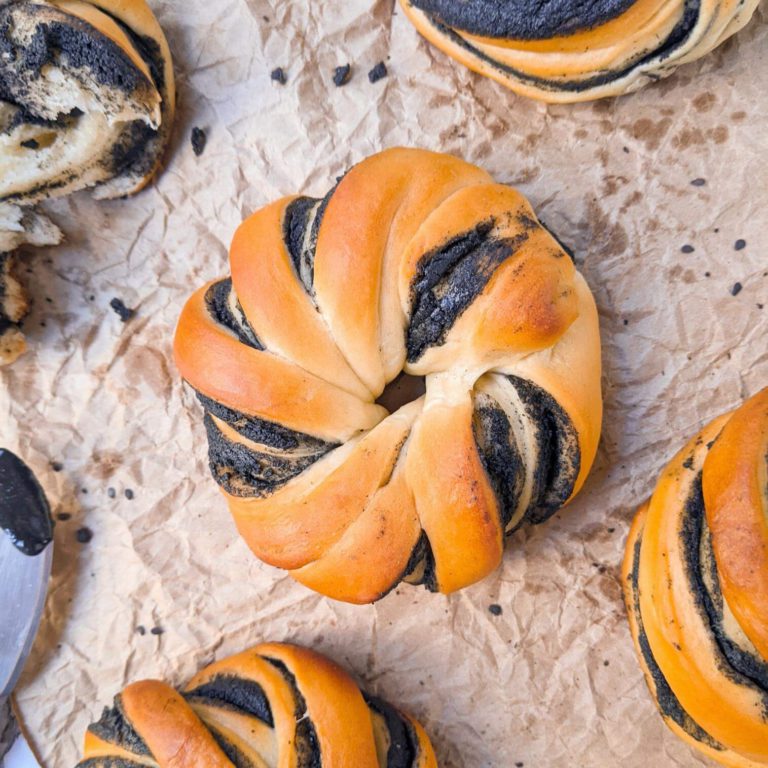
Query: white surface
[[20, 756]]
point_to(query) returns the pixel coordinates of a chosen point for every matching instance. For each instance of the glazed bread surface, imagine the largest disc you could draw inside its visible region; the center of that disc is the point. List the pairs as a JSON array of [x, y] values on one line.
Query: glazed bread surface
[[415, 262], [562, 51], [696, 588], [273, 706]]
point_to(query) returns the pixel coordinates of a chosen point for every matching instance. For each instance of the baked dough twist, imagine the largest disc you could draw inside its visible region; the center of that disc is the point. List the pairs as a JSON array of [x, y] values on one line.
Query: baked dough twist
[[86, 97], [414, 262], [566, 51], [696, 587], [274, 706], [86, 100]]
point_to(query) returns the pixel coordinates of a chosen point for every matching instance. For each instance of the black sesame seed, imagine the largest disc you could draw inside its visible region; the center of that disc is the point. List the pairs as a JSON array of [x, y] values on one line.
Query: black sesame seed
[[63, 516], [626, 150], [739, 245], [698, 182], [736, 290], [279, 76], [128, 494], [83, 535], [341, 75], [125, 313], [199, 139], [707, 274], [57, 466], [111, 492], [495, 609], [157, 630], [378, 72], [626, 322], [141, 630], [687, 249], [30, 144]]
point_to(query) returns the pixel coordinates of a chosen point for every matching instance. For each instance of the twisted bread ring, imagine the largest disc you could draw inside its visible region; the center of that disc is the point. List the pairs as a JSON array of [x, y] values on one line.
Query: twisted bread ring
[[86, 97], [419, 262], [696, 587], [274, 706], [561, 51]]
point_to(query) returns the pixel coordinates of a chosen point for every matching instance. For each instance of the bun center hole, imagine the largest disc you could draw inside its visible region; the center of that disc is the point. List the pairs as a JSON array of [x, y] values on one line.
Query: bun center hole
[[401, 391]]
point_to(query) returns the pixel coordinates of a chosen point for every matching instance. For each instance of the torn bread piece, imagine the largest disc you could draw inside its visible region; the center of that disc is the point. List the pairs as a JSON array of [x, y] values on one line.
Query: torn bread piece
[[86, 97], [17, 227]]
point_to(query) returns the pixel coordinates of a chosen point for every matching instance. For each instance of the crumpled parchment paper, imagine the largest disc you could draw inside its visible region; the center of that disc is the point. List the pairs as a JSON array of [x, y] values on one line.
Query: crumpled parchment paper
[[553, 680]]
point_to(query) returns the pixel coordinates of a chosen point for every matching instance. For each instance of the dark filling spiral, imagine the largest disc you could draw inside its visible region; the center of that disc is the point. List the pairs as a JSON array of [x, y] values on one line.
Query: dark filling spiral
[[403, 743], [235, 694], [524, 19], [734, 662], [557, 459], [113, 727], [500, 455], [243, 471], [676, 38], [218, 303], [669, 704], [306, 741], [301, 227], [449, 278]]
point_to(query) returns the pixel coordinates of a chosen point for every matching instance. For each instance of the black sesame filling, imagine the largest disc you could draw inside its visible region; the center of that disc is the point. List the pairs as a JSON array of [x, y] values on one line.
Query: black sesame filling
[[403, 744], [668, 703], [113, 727], [735, 663], [676, 38], [524, 19], [217, 301], [449, 278], [245, 472], [233, 753], [265, 432], [306, 741], [234, 693], [497, 447]]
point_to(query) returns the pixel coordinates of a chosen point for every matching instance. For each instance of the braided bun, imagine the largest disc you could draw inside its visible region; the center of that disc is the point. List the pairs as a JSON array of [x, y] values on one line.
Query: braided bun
[[696, 587], [86, 97], [275, 705], [414, 262], [561, 51]]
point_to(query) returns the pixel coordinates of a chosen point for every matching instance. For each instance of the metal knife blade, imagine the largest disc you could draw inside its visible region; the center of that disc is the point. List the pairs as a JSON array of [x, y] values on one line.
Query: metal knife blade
[[23, 586], [20, 755], [26, 552]]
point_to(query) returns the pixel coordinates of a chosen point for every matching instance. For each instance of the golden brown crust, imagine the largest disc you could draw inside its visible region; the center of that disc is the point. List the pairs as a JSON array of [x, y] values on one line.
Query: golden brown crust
[[645, 42], [175, 736], [275, 704], [694, 553], [414, 262], [736, 499]]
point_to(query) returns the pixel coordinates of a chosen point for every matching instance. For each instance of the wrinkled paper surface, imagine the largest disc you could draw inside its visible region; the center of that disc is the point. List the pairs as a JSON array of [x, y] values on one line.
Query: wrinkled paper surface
[[553, 681]]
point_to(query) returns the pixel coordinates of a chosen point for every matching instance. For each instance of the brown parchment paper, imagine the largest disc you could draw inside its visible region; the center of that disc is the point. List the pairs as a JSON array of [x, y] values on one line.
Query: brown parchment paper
[[553, 681]]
